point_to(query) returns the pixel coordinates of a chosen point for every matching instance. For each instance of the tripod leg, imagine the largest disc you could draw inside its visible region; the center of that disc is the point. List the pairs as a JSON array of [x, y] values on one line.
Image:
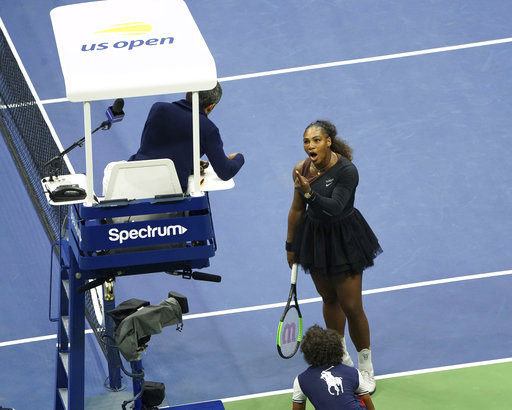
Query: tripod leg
[[137, 368]]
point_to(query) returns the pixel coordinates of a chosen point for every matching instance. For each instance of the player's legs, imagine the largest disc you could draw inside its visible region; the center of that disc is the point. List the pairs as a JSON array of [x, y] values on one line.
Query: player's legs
[[349, 296], [334, 316], [343, 302], [349, 291]]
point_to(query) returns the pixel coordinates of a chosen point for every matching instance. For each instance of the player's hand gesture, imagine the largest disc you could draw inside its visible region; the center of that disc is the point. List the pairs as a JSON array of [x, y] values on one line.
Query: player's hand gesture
[[301, 183]]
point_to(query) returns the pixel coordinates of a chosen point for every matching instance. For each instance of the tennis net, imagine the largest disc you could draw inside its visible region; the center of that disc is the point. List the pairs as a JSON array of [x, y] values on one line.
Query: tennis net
[[27, 135], [31, 144]]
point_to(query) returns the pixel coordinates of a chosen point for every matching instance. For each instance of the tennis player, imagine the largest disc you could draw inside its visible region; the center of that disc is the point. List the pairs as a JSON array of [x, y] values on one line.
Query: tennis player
[[328, 383], [330, 238]]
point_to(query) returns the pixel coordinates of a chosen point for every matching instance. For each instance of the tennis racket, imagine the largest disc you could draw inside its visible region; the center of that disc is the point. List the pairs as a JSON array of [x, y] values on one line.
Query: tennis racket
[[289, 331]]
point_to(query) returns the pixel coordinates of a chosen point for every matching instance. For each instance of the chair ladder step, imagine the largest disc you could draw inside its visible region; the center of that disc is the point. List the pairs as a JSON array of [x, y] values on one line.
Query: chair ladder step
[[64, 358], [65, 285], [64, 397]]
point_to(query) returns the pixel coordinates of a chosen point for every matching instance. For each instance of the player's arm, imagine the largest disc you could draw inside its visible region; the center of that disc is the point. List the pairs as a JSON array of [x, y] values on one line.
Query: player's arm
[[297, 209], [368, 401], [347, 180]]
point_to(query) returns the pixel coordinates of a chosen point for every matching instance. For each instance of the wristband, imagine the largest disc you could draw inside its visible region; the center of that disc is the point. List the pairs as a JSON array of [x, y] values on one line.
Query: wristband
[[288, 247]]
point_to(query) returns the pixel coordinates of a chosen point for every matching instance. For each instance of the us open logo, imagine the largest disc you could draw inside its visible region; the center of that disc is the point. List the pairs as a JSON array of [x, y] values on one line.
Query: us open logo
[[128, 29]]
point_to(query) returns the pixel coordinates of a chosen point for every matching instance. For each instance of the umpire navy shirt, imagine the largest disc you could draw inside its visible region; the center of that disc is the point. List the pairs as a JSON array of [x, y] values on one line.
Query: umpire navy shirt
[[168, 134]]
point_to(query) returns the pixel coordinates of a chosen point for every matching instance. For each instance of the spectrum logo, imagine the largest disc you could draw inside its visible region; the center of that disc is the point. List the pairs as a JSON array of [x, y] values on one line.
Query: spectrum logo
[[116, 235], [127, 29]]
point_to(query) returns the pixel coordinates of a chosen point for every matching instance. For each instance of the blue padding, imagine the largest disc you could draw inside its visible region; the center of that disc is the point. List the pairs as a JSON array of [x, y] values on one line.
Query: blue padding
[[207, 405], [151, 257], [146, 233], [165, 244]]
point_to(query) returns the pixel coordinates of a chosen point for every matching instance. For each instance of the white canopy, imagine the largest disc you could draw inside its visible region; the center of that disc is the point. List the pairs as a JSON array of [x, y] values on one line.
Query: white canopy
[[129, 48]]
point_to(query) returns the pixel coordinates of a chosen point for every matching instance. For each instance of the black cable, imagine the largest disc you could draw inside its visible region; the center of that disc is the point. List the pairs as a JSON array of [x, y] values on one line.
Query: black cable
[[135, 376]]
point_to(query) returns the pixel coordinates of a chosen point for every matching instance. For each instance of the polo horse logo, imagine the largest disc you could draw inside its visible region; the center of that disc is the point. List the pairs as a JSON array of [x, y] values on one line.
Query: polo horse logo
[[333, 382]]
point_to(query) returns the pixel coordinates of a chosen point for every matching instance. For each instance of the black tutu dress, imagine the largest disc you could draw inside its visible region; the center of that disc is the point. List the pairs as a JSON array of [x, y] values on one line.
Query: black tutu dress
[[332, 236]]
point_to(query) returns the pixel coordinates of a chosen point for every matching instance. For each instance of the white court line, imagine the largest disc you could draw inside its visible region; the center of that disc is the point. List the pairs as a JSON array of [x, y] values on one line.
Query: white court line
[[301, 302], [55, 100], [368, 59], [34, 94], [33, 339], [384, 376], [365, 292], [347, 62], [27, 340]]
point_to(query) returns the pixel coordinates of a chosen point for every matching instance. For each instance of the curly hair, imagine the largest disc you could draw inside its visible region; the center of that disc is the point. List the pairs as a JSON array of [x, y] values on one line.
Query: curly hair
[[322, 347], [337, 145]]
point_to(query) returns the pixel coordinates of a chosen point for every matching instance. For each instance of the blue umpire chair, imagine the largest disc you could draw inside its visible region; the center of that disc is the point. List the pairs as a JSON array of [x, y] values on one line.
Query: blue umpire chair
[[140, 225], [143, 224]]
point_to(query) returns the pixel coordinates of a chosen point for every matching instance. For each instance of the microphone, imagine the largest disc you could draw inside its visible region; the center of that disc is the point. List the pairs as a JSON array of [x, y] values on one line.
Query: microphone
[[206, 276], [115, 112]]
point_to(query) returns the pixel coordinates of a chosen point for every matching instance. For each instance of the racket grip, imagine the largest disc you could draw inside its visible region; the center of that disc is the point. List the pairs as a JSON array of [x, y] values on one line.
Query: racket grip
[[293, 278]]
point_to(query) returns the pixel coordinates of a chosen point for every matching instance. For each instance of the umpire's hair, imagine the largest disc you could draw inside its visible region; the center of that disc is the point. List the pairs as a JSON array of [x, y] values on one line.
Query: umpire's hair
[[337, 145], [209, 97], [322, 347]]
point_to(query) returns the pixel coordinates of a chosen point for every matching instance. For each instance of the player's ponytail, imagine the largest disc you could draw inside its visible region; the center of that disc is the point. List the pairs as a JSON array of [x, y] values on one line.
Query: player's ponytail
[[338, 145]]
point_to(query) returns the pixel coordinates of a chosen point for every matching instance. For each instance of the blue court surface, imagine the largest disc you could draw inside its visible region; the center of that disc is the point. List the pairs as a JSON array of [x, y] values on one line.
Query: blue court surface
[[420, 89]]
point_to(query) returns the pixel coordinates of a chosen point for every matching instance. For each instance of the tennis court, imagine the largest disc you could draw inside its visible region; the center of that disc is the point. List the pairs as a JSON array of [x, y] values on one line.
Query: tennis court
[[419, 89]]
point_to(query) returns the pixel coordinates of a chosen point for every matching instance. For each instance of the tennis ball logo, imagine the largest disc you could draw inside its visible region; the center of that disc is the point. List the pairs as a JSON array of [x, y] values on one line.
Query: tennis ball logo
[[127, 29]]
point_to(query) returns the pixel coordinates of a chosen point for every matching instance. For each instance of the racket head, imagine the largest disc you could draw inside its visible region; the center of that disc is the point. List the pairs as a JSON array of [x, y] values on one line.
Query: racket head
[[289, 332]]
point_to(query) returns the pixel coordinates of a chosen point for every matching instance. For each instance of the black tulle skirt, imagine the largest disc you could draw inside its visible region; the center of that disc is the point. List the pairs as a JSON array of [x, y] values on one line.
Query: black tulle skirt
[[344, 246]]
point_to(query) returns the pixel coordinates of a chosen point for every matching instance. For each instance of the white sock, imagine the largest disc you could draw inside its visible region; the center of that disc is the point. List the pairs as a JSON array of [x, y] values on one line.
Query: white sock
[[365, 359], [344, 344], [346, 356]]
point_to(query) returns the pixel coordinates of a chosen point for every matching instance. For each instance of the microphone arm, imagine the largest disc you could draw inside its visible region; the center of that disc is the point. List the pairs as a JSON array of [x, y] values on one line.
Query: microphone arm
[[56, 162], [114, 113]]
